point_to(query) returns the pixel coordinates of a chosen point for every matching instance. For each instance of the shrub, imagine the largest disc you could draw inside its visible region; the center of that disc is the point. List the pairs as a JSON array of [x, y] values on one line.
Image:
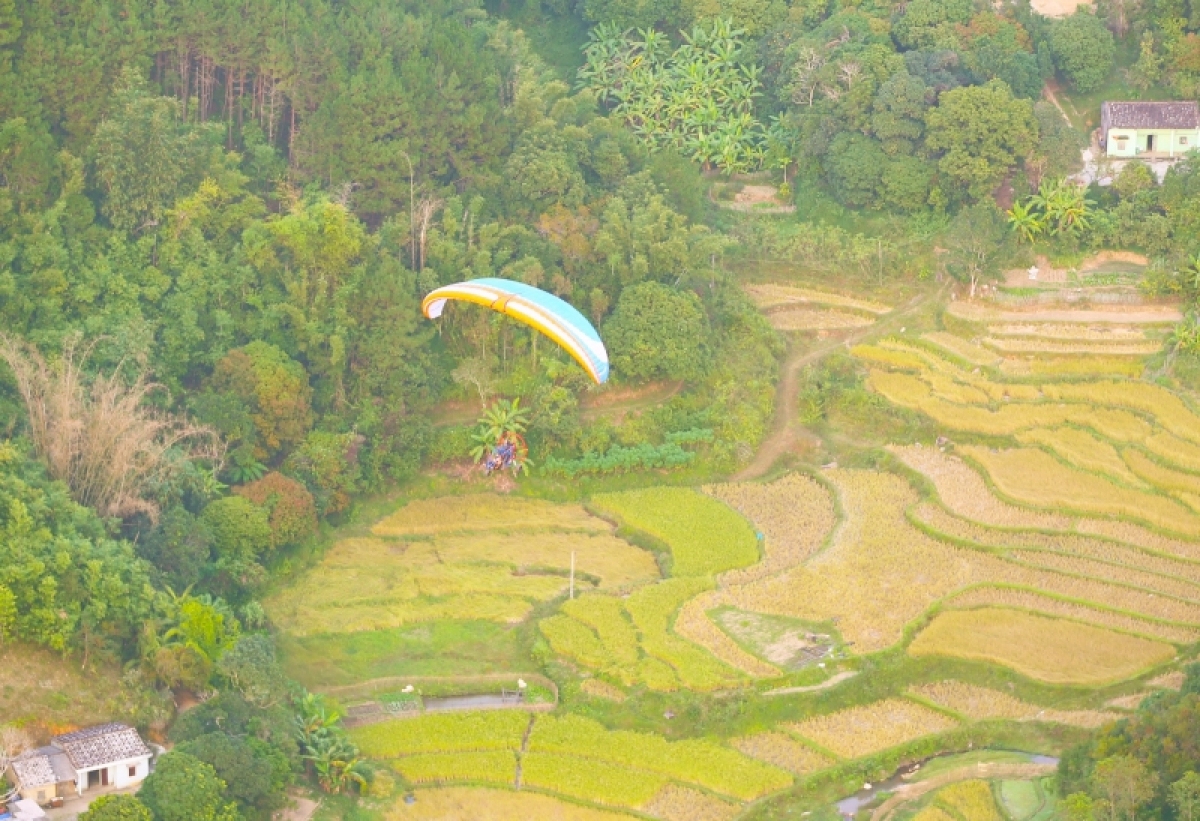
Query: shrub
[[328, 464], [293, 514], [273, 387], [241, 530], [658, 332]]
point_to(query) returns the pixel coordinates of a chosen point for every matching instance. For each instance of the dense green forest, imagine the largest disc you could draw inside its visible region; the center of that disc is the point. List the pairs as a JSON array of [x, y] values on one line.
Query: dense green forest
[[218, 218]]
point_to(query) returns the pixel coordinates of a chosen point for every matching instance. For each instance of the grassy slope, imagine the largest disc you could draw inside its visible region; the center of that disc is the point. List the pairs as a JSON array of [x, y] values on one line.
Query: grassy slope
[[40, 687]]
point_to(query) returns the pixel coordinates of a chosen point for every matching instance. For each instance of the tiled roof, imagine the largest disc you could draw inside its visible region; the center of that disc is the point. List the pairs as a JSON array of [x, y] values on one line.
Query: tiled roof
[[1151, 115], [101, 745], [33, 769]]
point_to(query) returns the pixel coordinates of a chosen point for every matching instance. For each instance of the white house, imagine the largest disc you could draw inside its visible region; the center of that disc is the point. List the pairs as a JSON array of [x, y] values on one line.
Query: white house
[[1150, 130], [108, 755]]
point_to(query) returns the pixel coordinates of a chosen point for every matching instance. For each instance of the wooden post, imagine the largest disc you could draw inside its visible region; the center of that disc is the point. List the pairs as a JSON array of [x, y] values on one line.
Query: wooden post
[[572, 574]]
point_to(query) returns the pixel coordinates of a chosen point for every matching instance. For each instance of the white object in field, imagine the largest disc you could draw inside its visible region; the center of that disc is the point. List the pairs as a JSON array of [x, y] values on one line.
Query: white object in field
[[521, 683], [407, 689], [1033, 272]]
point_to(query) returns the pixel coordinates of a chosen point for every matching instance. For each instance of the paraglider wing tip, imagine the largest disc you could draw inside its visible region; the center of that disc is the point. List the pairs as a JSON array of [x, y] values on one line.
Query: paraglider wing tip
[[433, 307]]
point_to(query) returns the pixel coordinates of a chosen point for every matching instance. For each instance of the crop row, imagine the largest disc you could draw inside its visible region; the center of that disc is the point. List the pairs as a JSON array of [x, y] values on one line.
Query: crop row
[[866, 729], [601, 782], [1044, 603], [1011, 345], [1035, 478], [705, 536], [809, 319], [694, 761], [1083, 450], [981, 703], [1167, 408], [793, 513], [769, 295], [961, 348], [1068, 331]]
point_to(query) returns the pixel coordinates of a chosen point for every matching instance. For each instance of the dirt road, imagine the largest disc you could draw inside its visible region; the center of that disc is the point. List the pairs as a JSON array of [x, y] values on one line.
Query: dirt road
[[785, 428]]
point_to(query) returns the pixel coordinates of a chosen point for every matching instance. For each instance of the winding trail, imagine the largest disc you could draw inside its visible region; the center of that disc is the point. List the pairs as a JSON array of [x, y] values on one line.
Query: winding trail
[[785, 428]]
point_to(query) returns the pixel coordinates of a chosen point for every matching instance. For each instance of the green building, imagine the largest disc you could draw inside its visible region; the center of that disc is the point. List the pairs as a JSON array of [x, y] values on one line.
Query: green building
[[1149, 130]]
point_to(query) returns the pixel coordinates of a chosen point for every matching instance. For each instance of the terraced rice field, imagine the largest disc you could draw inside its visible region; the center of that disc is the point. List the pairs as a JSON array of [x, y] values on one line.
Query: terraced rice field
[[1042, 648], [981, 703], [810, 319], [483, 804], [861, 731], [770, 296]]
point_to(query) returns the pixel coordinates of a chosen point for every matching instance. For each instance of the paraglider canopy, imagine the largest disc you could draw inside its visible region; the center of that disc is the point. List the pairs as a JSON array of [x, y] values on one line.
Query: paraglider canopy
[[536, 308]]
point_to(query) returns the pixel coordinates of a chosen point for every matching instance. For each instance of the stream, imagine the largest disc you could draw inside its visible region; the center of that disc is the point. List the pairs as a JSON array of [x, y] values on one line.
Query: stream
[[848, 807]]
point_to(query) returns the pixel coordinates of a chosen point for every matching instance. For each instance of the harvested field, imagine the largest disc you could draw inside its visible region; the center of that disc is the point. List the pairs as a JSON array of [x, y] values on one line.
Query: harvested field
[[769, 296], [795, 515], [1169, 681], [694, 625], [1168, 409], [704, 535], [783, 751], [484, 804], [599, 688], [1035, 478], [1117, 314], [861, 731], [780, 640], [809, 319], [981, 703], [1106, 366], [678, 803], [1051, 650], [485, 511]]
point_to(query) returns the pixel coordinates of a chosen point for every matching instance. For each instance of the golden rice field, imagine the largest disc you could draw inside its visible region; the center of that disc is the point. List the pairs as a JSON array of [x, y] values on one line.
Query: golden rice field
[[795, 514], [694, 625], [770, 296], [598, 688], [1035, 478], [981, 703], [1083, 450], [485, 511], [967, 351], [861, 731], [934, 813], [1094, 366], [1070, 331], [704, 535], [970, 800], [809, 319], [1014, 345], [631, 639], [1040, 602], [783, 751], [485, 804], [1041, 648]]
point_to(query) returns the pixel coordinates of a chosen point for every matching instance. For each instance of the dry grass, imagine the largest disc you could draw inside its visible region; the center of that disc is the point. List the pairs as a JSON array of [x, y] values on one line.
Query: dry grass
[[488, 512], [961, 348], [1068, 331], [1169, 681], [808, 319], [1051, 650], [1096, 366], [1083, 450], [678, 803], [1049, 605], [867, 729], [484, 804], [1035, 478], [41, 688], [98, 435], [981, 703], [783, 751], [769, 296], [795, 514]]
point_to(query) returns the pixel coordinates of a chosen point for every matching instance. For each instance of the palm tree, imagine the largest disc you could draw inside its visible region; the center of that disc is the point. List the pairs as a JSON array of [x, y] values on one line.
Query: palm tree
[[498, 421], [337, 763]]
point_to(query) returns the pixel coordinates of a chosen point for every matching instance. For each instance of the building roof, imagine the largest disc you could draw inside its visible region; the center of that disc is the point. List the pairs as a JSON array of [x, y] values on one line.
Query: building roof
[[33, 769], [101, 745], [1149, 115]]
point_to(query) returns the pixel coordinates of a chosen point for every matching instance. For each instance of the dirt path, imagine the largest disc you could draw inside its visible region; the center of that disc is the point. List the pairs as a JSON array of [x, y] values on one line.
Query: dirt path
[[832, 681], [785, 429], [911, 792]]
